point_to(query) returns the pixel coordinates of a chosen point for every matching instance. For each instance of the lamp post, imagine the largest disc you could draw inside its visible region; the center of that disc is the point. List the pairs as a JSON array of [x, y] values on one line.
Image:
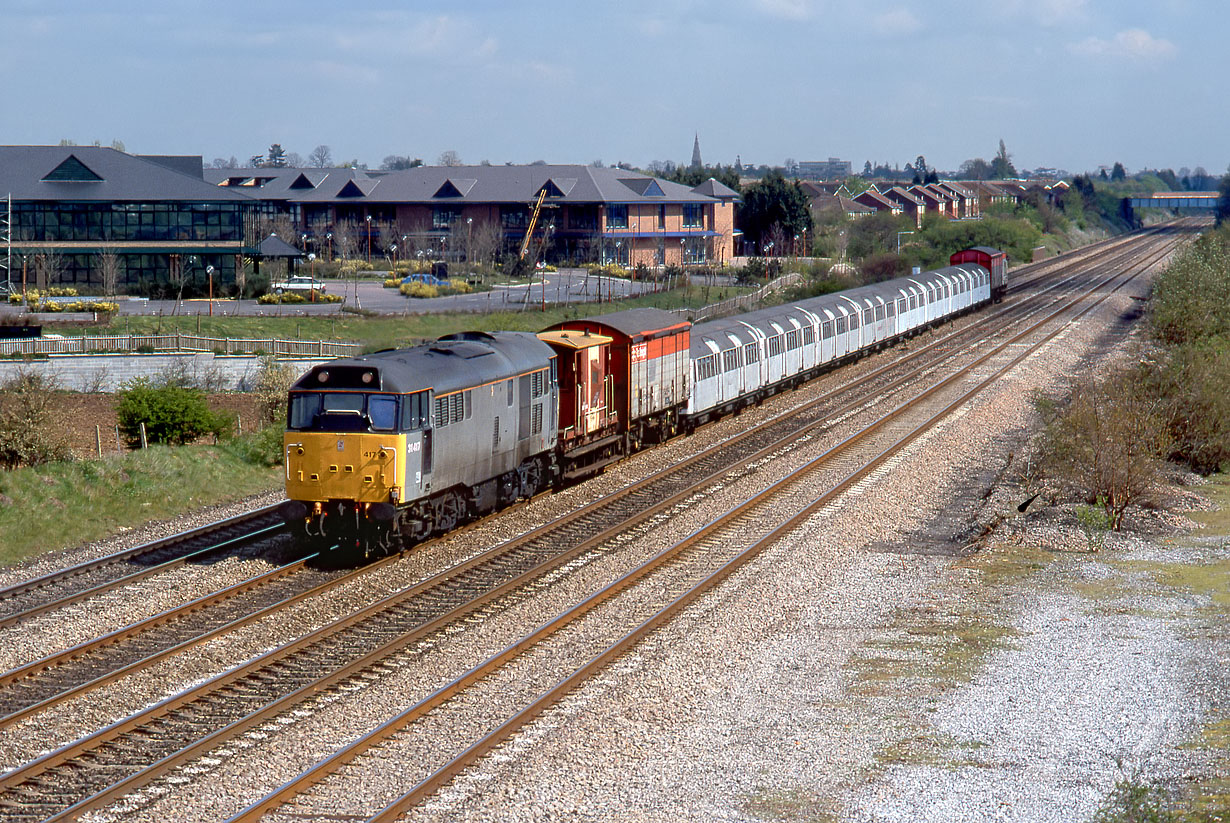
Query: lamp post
[[329, 245], [393, 248], [209, 270], [369, 250], [899, 240], [469, 228]]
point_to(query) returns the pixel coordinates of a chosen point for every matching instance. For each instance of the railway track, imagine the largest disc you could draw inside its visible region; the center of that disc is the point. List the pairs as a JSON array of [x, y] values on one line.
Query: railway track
[[284, 677], [63, 587], [57, 677], [657, 589]]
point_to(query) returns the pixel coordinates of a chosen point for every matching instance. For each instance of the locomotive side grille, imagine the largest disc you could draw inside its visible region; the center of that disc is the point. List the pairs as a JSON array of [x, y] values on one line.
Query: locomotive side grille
[[495, 435], [536, 419]]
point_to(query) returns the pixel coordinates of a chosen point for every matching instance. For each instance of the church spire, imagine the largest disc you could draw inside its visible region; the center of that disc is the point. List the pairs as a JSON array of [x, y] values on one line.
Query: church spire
[[696, 164]]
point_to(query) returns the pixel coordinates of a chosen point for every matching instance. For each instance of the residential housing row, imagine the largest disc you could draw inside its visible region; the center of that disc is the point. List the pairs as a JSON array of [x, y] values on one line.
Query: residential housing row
[[952, 200]]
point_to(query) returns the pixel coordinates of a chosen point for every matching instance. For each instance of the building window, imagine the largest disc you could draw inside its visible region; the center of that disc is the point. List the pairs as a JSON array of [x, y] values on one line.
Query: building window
[[662, 216], [583, 217], [443, 217], [514, 217], [693, 216], [617, 217], [694, 250]]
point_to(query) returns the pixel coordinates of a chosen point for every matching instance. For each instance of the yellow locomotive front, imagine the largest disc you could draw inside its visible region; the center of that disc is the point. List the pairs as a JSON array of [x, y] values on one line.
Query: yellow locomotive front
[[352, 456]]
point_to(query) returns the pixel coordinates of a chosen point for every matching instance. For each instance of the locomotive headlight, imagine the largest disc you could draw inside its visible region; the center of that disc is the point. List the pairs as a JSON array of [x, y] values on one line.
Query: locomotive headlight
[[367, 377], [322, 376]]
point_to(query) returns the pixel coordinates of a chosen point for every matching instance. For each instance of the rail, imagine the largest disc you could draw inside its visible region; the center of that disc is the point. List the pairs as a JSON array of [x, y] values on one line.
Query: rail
[[176, 343]]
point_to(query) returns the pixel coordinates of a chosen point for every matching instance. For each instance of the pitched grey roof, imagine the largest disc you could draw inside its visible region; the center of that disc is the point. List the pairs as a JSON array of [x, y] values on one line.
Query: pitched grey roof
[[713, 188], [472, 184], [93, 173]]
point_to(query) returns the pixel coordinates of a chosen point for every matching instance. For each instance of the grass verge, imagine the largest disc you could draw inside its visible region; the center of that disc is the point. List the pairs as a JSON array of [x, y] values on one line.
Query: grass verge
[[58, 505], [386, 331]]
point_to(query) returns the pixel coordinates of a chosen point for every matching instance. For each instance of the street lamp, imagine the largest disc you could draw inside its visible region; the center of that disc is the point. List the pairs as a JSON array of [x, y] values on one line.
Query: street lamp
[[393, 248], [369, 250], [329, 245], [209, 270], [899, 240]]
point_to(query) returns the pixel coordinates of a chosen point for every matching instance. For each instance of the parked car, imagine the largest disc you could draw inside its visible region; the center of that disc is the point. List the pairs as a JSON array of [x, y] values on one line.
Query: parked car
[[429, 279], [298, 282]]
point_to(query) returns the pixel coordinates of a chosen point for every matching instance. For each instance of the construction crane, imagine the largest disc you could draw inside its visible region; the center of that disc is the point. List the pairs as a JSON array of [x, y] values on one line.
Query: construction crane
[[529, 232]]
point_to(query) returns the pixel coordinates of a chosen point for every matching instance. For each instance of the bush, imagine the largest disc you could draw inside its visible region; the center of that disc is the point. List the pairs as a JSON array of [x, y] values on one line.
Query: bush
[[1109, 441], [1190, 297], [1194, 381], [30, 432], [260, 448], [173, 415], [419, 290]]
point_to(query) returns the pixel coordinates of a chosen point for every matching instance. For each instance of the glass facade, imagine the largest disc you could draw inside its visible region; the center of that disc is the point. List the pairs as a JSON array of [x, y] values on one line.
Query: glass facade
[[116, 222]]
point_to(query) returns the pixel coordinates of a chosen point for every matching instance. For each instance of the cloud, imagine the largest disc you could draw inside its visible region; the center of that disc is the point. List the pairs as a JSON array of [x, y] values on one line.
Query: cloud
[[897, 21], [1130, 44], [789, 9]]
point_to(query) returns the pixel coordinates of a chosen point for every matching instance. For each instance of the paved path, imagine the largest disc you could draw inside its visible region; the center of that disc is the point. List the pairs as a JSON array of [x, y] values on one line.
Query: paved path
[[567, 286]]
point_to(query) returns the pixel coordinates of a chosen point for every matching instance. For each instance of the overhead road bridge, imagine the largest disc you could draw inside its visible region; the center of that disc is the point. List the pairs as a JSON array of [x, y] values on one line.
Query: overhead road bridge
[[1176, 200]]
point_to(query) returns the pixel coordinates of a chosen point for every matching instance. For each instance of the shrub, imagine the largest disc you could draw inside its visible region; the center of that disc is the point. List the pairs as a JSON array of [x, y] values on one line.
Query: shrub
[[1195, 381], [456, 287], [30, 432], [419, 290], [1110, 441], [174, 415], [1190, 297], [392, 283], [260, 448]]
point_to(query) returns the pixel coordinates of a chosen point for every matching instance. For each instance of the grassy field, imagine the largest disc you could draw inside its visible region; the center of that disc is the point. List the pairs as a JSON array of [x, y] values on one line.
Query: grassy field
[[57, 505], [379, 332]]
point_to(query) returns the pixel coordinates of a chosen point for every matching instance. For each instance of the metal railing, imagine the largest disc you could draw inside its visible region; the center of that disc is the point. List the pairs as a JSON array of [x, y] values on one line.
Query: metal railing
[[738, 304], [176, 344]]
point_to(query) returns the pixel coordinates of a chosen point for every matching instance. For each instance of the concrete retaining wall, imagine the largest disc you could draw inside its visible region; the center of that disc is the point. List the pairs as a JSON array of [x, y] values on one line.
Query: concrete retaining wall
[[109, 372]]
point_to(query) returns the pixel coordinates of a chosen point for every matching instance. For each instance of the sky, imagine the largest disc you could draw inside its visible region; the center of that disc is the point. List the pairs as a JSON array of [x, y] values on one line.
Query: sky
[[1073, 84]]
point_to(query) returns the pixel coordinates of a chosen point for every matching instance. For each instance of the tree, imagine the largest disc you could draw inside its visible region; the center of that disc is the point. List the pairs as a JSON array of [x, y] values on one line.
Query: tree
[[320, 157], [920, 170], [773, 202], [449, 158], [1001, 166], [294, 160], [276, 157], [1223, 200], [1118, 173], [395, 162], [109, 271], [975, 169], [867, 169]]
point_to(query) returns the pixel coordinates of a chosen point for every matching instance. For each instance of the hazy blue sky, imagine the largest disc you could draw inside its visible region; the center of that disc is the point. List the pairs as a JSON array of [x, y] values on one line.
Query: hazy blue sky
[[1067, 83]]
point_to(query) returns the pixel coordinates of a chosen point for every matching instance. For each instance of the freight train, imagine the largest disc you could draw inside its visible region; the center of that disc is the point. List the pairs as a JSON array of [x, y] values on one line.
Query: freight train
[[392, 447]]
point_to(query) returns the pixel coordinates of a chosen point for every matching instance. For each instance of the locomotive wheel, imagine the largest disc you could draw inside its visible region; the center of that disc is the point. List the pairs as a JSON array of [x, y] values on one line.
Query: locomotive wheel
[[450, 509]]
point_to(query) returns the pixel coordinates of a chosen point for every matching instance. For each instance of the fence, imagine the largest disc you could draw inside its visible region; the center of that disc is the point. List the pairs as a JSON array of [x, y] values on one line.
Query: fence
[[740, 303], [163, 343]]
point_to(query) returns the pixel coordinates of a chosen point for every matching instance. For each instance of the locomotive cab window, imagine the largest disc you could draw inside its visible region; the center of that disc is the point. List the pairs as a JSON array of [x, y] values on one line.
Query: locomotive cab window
[[342, 411]]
